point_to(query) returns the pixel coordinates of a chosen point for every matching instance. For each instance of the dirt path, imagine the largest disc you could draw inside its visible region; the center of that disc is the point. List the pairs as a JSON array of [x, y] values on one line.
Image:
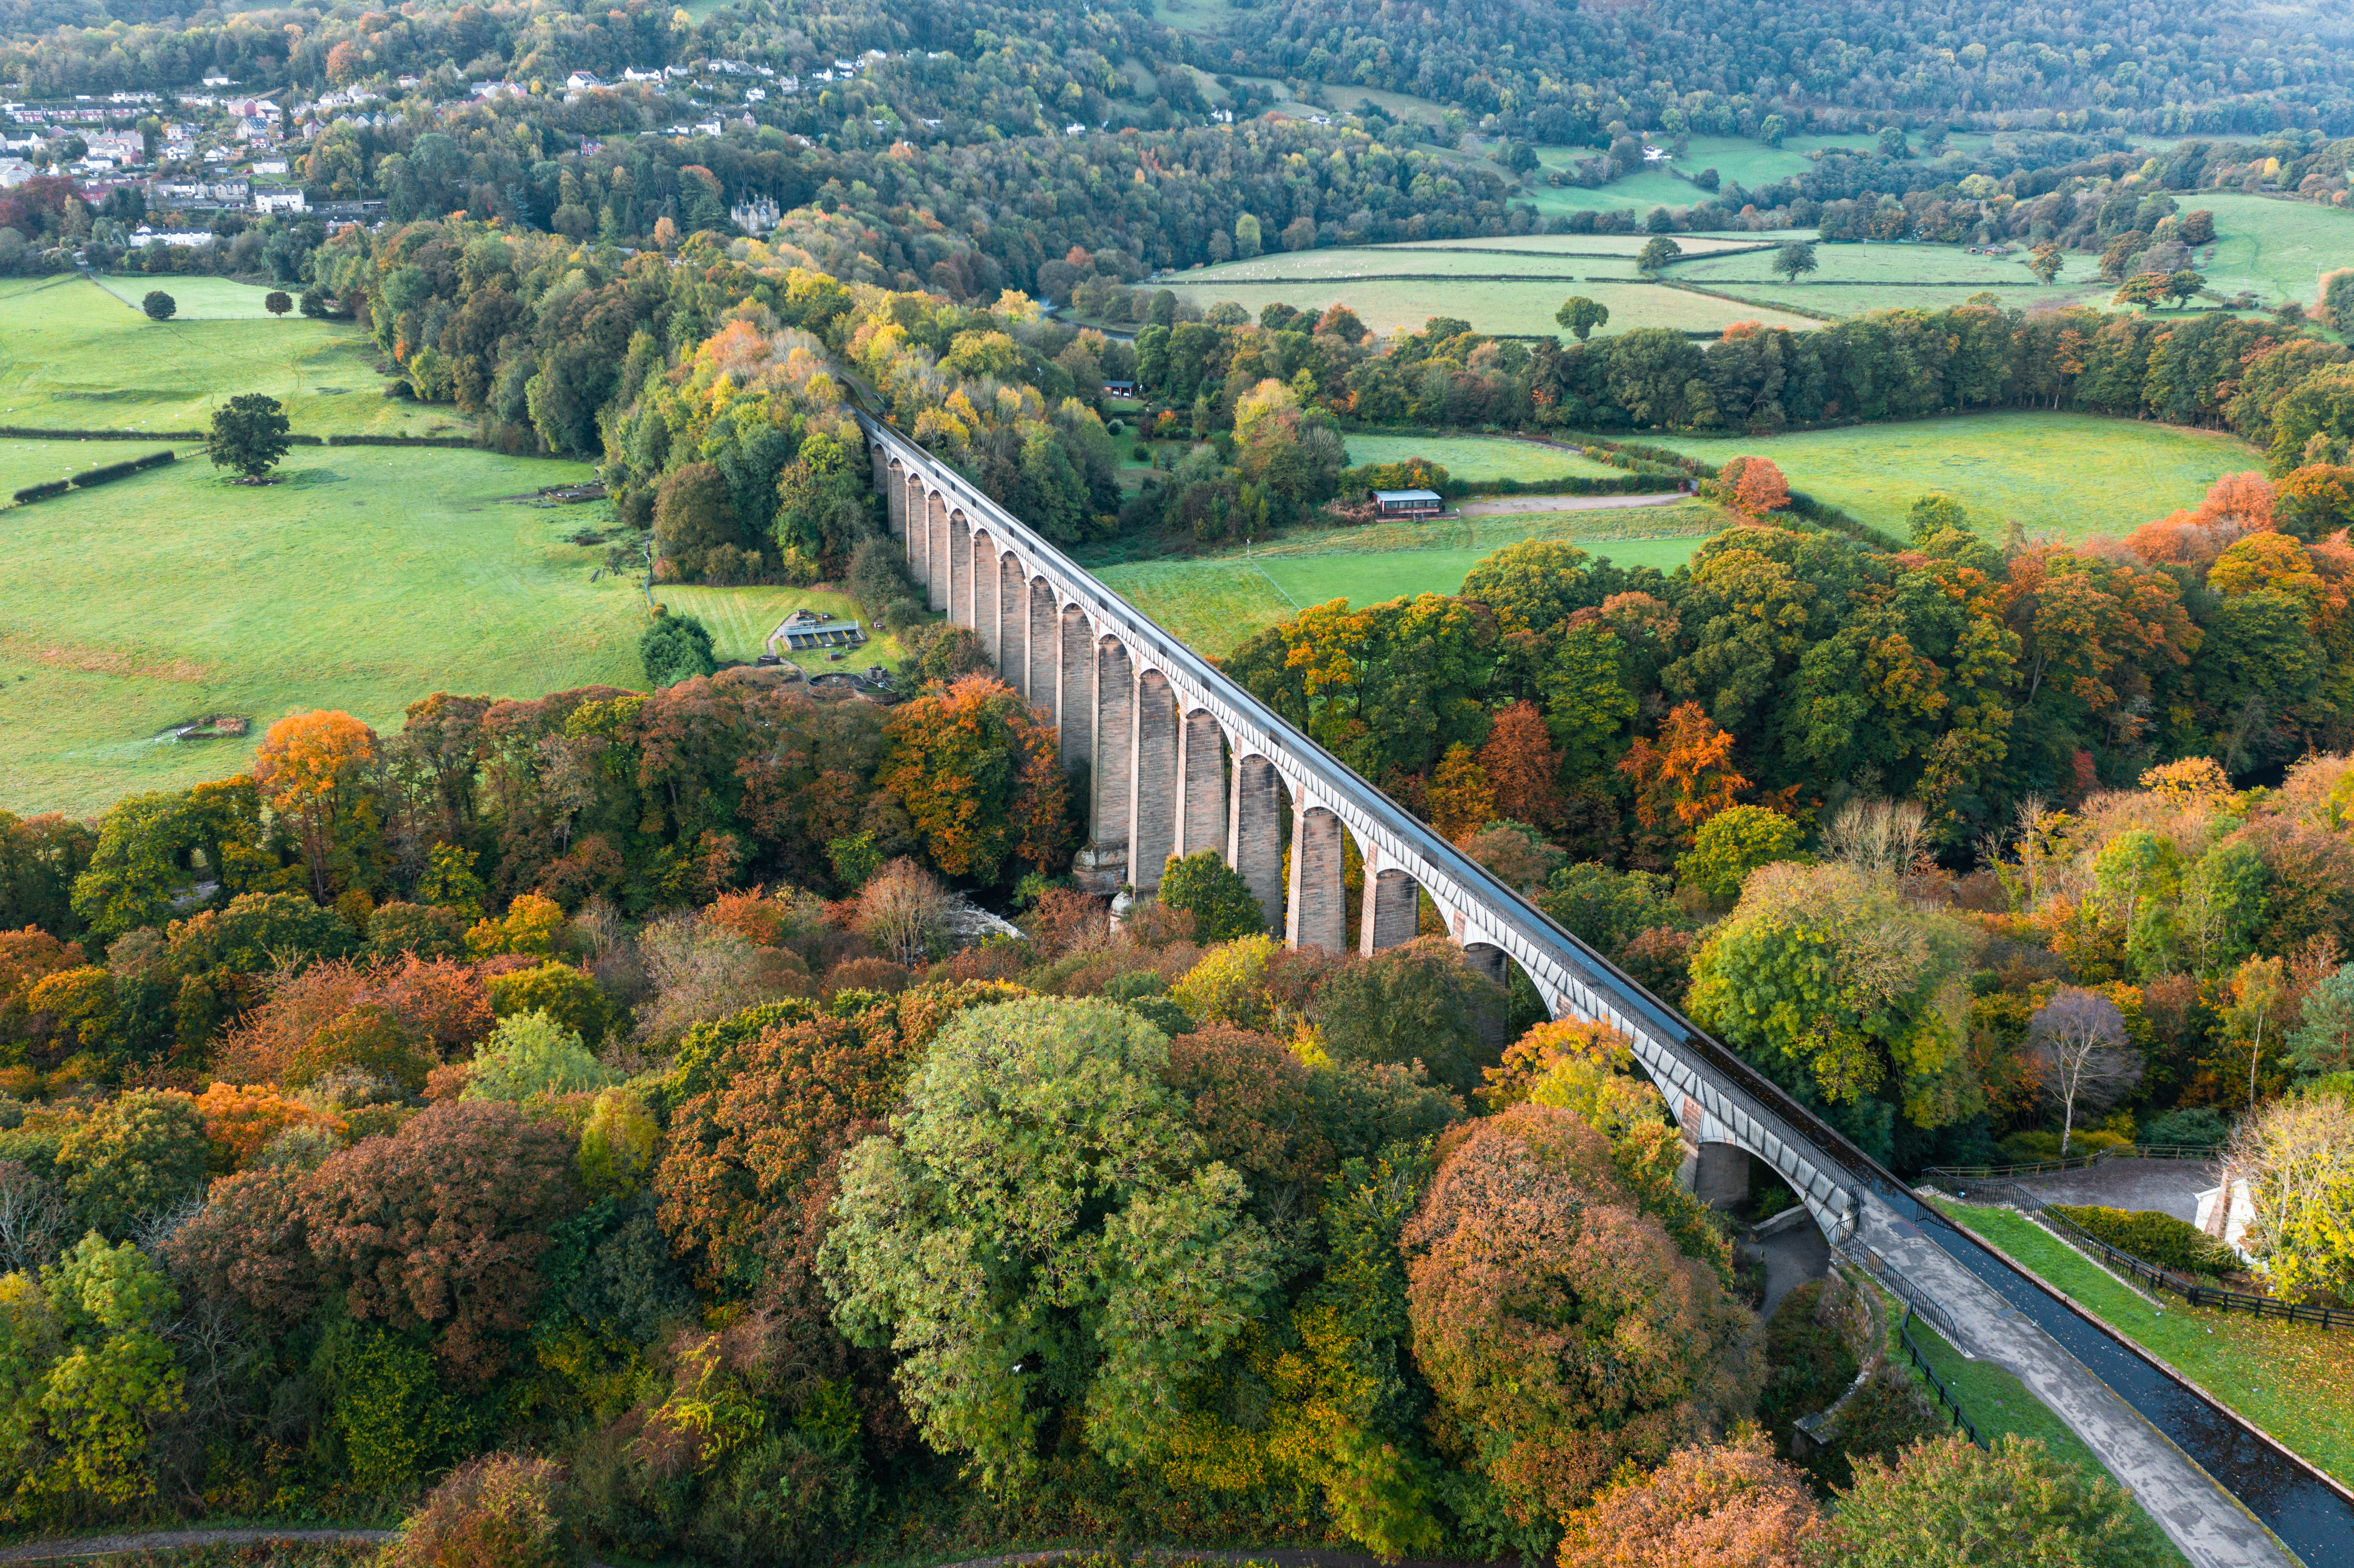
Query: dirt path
[[170, 1540]]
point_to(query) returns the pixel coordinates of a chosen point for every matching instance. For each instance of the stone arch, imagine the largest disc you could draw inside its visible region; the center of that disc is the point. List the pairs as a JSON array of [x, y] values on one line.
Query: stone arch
[[1255, 833], [1115, 701], [1009, 584], [936, 551], [959, 565], [1041, 644], [1153, 779], [1074, 686], [1392, 911], [1315, 912], [1202, 790], [981, 583]]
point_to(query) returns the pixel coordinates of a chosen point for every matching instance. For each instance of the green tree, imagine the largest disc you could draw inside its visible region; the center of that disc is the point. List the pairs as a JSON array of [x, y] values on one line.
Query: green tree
[[695, 517], [2183, 286], [159, 305], [1657, 254], [1579, 316], [1950, 1504], [1934, 514], [2323, 1041], [138, 1155], [2338, 300], [1419, 1001], [1043, 1233], [277, 302], [676, 647], [1892, 143], [1733, 843], [560, 990], [1843, 991], [530, 1054], [1795, 260], [1222, 905], [103, 1397], [249, 435], [2045, 262]]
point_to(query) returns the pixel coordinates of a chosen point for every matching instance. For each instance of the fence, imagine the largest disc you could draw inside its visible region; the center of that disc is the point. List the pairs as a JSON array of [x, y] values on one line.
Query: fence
[[2127, 1263], [1945, 1393], [1948, 1175]]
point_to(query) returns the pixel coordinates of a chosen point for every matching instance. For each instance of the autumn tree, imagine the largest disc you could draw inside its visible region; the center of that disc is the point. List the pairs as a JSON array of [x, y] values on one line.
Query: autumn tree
[[312, 767], [1522, 767], [1561, 1330], [442, 1225], [903, 909], [1731, 844], [2296, 1156], [1687, 777], [980, 777], [1727, 1505], [1462, 799]]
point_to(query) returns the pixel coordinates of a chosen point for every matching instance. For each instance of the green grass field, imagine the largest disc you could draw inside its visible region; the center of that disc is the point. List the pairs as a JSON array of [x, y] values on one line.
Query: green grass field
[[1883, 277], [740, 619], [1476, 457], [2297, 1382], [2279, 249], [2069, 475], [75, 356], [368, 578], [1215, 602], [1391, 304], [1998, 1403], [199, 299]]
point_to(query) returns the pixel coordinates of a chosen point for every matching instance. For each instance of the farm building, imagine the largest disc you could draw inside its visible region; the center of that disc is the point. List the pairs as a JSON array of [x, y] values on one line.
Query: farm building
[[805, 629], [1409, 502]]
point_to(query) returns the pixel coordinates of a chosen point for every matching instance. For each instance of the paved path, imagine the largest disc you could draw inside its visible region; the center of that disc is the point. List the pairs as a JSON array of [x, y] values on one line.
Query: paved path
[[2205, 1521], [2169, 1186], [1792, 1257], [1497, 505]]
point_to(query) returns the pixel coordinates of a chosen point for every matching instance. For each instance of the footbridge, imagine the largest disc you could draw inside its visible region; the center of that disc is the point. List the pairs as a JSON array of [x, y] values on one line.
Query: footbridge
[[1180, 758]]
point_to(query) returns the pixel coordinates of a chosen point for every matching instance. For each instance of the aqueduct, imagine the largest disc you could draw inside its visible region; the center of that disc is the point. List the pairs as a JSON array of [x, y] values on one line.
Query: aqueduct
[[1180, 758]]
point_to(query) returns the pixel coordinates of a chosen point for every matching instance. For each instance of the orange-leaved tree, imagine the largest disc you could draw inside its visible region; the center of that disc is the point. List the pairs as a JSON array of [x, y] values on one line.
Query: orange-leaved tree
[[308, 769], [1687, 777], [977, 770], [1754, 486], [1462, 799], [1523, 766]]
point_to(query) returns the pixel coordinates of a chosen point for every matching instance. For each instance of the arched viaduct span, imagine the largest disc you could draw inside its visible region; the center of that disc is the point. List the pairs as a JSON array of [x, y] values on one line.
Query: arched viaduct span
[[1181, 759]]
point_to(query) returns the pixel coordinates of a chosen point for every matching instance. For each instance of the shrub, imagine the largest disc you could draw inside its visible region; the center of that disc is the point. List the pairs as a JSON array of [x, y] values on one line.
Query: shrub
[[2154, 1237], [676, 647], [159, 305], [2191, 1126], [496, 1512], [1222, 904]]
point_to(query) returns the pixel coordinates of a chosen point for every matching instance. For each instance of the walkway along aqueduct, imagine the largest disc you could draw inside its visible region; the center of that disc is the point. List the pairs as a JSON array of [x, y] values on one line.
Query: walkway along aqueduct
[[1180, 759]]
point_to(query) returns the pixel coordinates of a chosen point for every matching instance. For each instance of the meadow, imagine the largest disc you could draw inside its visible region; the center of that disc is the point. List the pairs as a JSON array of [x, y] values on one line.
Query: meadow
[[1478, 457], [74, 356], [199, 299], [369, 577], [1874, 276], [2279, 249], [1214, 602], [2068, 476], [1512, 308], [740, 619]]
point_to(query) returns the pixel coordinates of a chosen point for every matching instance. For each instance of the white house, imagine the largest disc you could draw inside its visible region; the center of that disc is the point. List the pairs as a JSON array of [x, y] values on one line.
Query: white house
[[268, 165], [13, 172], [632, 73], [582, 81], [710, 127], [177, 239], [279, 201]]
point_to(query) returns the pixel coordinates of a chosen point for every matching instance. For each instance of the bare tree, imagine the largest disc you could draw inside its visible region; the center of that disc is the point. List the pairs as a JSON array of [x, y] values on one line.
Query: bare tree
[[35, 1220], [1879, 837], [2076, 1047], [902, 910]]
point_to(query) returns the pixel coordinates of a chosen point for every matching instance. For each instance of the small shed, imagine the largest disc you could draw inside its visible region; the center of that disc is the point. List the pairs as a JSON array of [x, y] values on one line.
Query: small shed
[[1409, 502]]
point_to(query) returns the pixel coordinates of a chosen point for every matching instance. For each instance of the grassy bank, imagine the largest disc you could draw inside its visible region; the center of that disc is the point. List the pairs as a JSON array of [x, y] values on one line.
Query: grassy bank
[[2295, 1382]]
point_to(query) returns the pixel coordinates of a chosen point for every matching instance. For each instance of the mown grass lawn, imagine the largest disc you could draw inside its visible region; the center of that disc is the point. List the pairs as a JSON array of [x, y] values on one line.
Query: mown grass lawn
[[74, 356], [370, 577], [1478, 457], [199, 299], [741, 620], [2279, 249], [1214, 602], [1998, 1403], [2294, 1380], [2067, 475]]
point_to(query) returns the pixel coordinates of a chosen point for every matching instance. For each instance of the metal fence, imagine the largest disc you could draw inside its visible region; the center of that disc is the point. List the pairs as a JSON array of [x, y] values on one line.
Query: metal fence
[[2158, 1278], [1952, 1175], [1946, 1395]]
